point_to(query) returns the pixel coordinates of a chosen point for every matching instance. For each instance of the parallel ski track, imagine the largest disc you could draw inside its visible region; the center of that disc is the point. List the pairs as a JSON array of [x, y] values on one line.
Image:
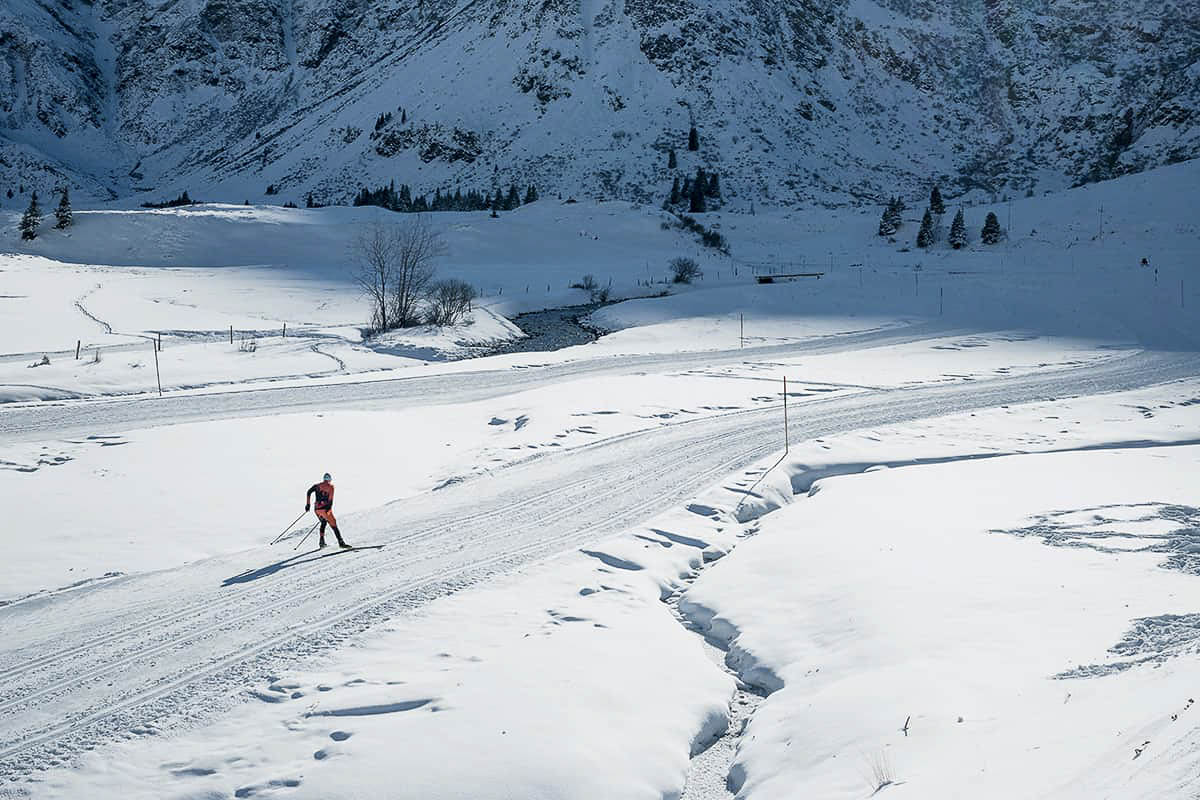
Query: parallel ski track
[[58, 419], [514, 527], [365, 613]]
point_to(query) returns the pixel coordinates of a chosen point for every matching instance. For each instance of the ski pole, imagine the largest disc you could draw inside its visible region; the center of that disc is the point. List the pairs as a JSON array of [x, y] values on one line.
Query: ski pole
[[310, 530], [288, 528]]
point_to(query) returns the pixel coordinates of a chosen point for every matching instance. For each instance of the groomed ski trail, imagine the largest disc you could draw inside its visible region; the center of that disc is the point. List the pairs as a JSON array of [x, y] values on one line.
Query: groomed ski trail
[[146, 652]]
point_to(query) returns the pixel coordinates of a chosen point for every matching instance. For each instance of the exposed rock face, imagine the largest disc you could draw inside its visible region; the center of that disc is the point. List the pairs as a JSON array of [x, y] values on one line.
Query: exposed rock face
[[827, 100]]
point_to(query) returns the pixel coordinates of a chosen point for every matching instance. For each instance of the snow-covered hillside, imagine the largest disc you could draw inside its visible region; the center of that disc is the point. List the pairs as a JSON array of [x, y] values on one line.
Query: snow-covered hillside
[[827, 100]]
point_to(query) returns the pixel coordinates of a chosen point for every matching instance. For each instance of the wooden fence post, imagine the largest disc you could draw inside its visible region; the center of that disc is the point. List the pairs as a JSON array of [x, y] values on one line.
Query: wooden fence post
[[157, 374]]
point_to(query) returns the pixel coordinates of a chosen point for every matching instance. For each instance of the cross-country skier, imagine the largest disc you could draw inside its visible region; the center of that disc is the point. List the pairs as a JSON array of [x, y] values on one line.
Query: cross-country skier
[[324, 508]]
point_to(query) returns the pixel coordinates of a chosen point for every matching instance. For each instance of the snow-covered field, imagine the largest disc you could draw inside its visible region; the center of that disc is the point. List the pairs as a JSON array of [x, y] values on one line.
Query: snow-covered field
[[977, 599], [118, 279], [595, 573]]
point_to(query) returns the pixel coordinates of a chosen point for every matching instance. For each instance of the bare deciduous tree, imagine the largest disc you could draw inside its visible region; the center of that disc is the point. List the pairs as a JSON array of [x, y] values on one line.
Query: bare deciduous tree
[[394, 265], [449, 301], [374, 255], [418, 247]]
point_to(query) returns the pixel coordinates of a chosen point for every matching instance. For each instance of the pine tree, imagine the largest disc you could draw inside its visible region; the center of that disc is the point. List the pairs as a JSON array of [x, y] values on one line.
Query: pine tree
[[925, 235], [498, 200], [62, 214], [531, 194], [675, 191], [958, 231], [713, 189], [672, 162], [696, 204], [935, 202], [991, 233], [308, 201], [514, 198], [693, 139], [31, 219], [889, 223]]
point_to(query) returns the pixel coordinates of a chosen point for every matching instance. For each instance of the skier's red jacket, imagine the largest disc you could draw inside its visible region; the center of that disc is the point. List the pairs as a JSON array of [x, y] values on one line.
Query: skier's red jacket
[[324, 492]]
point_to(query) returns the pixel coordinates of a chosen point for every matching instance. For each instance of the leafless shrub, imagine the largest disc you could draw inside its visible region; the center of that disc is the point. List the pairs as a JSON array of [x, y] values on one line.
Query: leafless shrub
[[596, 292], [684, 270], [449, 302], [588, 284], [879, 774]]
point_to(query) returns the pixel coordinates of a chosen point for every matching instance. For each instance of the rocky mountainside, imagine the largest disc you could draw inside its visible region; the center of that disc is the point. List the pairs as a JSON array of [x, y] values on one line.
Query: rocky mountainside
[[831, 101]]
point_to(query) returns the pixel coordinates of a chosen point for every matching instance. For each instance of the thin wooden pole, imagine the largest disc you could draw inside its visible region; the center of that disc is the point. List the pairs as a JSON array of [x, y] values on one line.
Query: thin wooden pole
[[157, 374], [231, 334], [78, 342], [786, 438]]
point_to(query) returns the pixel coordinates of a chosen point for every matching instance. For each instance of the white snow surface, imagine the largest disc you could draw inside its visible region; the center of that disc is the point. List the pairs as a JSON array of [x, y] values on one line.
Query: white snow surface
[[932, 594], [883, 594], [985, 511]]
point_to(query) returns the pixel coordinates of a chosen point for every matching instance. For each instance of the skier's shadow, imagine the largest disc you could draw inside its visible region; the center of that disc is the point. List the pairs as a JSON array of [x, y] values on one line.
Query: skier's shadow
[[270, 569]]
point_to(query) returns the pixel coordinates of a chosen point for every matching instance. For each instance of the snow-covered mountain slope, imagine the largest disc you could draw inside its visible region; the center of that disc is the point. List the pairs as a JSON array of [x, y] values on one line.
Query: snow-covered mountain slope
[[826, 100]]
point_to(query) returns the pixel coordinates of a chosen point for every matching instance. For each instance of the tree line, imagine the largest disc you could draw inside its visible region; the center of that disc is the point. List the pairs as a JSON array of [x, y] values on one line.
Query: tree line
[[402, 199], [929, 232]]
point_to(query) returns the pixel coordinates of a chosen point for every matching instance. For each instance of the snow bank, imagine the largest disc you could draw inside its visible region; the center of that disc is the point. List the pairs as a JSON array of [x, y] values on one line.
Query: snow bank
[[928, 596]]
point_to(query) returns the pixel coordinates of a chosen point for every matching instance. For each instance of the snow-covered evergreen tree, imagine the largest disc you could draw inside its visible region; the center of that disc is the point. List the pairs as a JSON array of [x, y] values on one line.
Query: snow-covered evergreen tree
[[696, 203], [693, 139], [925, 235], [672, 162], [889, 223], [935, 201], [958, 231], [31, 219], [62, 214], [992, 233], [531, 194], [675, 191]]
